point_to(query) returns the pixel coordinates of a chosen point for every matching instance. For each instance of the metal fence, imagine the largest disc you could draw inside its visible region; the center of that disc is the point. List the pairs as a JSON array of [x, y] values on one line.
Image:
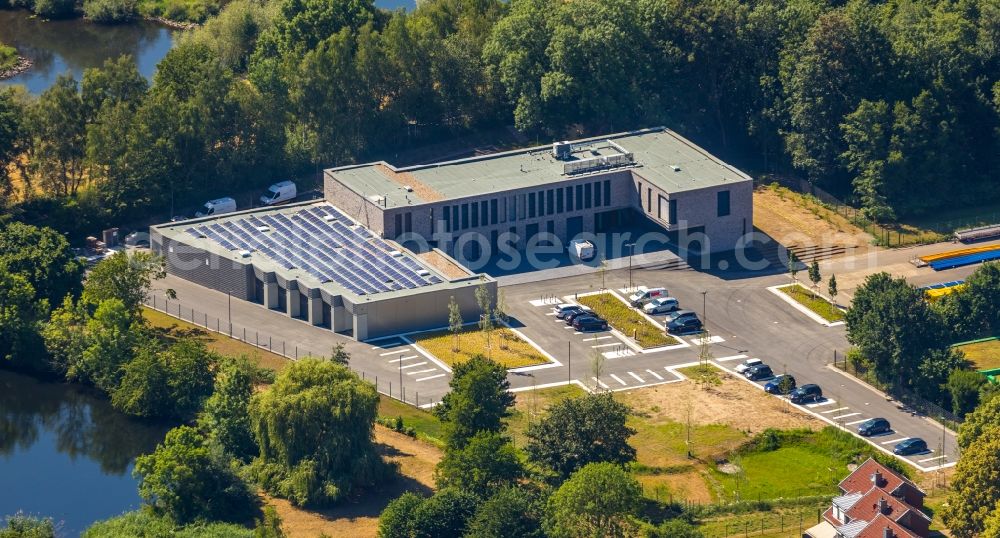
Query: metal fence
[[387, 385]]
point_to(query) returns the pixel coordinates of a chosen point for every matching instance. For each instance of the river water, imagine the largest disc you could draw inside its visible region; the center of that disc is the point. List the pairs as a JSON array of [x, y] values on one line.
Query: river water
[[66, 453]]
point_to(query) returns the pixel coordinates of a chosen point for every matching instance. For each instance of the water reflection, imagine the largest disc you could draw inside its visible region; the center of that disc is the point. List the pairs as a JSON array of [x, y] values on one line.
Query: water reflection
[[56, 47], [66, 453]]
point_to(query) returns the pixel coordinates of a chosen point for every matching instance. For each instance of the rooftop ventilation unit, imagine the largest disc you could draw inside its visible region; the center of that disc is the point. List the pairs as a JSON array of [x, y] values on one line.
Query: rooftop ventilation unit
[[598, 163], [408, 188], [263, 229], [396, 254], [675, 168], [329, 218], [562, 150], [244, 254], [423, 272]]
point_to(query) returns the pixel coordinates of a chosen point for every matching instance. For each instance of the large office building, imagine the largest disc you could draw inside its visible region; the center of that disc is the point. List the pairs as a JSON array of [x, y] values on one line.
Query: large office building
[[569, 188], [342, 263]]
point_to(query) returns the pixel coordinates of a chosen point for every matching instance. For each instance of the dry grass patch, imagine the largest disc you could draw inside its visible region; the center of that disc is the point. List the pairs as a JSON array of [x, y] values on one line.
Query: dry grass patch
[[224, 345], [795, 220], [983, 355], [507, 348], [359, 517]]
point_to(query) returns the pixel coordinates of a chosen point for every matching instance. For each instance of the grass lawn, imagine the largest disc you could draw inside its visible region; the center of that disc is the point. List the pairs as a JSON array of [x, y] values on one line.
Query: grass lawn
[[663, 445], [813, 302], [426, 424], [173, 327], [8, 57], [472, 341], [791, 471], [627, 320], [984, 355], [702, 374]]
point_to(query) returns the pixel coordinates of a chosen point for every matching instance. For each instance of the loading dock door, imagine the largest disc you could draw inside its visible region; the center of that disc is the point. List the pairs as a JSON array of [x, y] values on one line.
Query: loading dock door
[[258, 291]]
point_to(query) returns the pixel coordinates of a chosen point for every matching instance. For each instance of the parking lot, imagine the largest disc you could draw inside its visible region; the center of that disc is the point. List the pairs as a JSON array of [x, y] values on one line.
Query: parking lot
[[744, 320]]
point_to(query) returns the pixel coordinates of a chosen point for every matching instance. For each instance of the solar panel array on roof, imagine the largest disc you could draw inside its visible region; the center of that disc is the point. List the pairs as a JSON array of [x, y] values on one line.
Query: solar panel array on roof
[[329, 250]]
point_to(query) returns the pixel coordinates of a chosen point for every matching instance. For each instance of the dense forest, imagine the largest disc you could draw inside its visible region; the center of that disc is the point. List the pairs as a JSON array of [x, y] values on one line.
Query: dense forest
[[893, 105]]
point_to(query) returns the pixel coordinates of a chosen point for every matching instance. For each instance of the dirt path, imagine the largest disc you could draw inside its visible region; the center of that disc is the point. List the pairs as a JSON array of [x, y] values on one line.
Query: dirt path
[[359, 518]]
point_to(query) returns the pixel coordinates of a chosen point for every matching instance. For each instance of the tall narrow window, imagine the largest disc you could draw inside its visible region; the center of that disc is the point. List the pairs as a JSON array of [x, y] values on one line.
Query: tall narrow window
[[607, 192], [722, 201], [465, 216], [550, 202], [597, 194], [447, 219], [672, 217], [579, 197], [493, 211], [531, 205], [475, 214], [569, 198], [649, 200], [587, 195], [559, 201]]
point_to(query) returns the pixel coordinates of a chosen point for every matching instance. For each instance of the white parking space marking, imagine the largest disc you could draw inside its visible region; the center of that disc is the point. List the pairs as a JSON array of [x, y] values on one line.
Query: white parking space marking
[[820, 404], [431, 377], [412, 365], [641, 380], [570, 327], [394, 352], [845, 416], [618, 379], [856, 422], [654, 374], [541, 302], [710, 340], [731, 358], [901, 439], [551, 313], [606, 345], [618, 354], [597, 338], [601, 383], [401, 359], [418, 372], [931, 459], [835, 410]]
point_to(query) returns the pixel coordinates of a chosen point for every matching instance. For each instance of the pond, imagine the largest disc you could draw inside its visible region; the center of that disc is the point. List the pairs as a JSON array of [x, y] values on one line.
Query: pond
[[56, 47], [66, 454]]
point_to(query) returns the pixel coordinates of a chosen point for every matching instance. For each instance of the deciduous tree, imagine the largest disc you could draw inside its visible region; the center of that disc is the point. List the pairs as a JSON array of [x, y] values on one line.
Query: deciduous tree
[[479, 400], [975, 486], [601, 499], [487, 462], [580, 431]]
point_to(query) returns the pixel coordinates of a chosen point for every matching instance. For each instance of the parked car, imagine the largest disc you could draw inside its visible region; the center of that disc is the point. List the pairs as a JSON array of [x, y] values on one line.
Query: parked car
[[590, 323], [661, 305], [573, 315], [137, 240], [806, 393], [282, 191], [684, 326], [756, 373], [217, 207], [565, 308], [781, 384], [907, 447], [680, 315], [640, 298], [874, 426], [747, 364], [582, 248]]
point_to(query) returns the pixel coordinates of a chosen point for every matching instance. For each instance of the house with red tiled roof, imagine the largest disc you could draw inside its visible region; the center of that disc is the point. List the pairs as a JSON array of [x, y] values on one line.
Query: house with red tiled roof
[[875, 502]]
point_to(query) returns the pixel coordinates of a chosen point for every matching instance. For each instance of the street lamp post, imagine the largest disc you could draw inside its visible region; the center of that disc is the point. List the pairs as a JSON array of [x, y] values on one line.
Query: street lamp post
[[630, 250], [401, 377], [229, 294], [704, 306]]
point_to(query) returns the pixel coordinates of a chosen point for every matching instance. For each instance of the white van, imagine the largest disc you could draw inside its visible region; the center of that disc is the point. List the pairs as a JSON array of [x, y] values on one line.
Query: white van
[[642, 297], [582, 248], [217, 207], [282, 191]]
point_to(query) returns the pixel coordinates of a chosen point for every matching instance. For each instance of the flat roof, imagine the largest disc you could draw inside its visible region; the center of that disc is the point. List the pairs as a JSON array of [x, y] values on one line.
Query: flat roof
[[659, 155], [364, 256]]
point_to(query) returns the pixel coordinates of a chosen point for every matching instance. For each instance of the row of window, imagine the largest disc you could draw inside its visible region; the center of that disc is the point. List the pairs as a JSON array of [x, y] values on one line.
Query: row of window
[[579, 197]]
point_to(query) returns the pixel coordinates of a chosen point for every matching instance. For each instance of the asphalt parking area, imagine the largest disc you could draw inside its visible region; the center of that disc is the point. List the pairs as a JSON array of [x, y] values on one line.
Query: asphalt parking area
[[848, 417]]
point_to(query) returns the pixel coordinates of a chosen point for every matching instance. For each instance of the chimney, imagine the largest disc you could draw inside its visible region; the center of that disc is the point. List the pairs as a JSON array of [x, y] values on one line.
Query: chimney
[[877, 478], [883, 506], [887, 533]]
